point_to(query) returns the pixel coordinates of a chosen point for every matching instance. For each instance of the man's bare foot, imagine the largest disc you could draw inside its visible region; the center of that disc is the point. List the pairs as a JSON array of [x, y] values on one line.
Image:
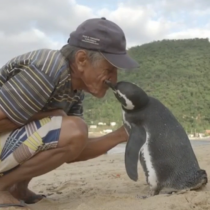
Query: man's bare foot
[[7, 200], [26, 195]]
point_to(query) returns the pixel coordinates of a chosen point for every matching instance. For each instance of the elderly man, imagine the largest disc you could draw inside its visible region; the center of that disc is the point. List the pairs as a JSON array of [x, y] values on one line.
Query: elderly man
[[41, 93]]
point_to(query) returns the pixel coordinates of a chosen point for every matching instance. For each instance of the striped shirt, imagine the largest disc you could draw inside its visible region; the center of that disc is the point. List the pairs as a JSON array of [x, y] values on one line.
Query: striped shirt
[[36, 81]]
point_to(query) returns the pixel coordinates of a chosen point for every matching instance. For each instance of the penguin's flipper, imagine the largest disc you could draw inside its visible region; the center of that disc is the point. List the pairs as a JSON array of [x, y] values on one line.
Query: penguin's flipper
[[137, 138]]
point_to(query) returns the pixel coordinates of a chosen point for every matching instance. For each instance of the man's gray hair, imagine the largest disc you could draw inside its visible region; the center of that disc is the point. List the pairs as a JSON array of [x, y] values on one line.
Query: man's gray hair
[[70, 51]]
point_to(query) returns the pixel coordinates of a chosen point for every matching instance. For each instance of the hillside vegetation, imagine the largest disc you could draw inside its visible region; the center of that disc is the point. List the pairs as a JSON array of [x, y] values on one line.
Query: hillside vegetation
[[177, 72]]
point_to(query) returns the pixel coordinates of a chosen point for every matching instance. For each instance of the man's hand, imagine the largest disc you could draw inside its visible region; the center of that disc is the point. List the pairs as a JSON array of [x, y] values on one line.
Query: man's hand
[[123, 133]]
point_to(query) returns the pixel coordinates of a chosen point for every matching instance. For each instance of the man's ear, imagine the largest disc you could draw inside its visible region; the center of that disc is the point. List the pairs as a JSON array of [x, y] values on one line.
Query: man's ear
[[81, 60]]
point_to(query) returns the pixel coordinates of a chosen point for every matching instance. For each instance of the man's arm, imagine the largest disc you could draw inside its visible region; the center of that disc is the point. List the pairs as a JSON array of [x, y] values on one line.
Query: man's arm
[[41, 115], [2, 115], [100, 145], [7, 125], [23, 96]]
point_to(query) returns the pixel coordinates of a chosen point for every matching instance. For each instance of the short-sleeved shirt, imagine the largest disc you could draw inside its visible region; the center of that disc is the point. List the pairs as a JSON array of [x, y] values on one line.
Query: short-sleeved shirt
[[36, 81]]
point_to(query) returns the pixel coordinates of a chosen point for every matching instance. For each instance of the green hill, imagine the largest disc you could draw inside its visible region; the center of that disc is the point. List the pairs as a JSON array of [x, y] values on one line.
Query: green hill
[[177, 72]]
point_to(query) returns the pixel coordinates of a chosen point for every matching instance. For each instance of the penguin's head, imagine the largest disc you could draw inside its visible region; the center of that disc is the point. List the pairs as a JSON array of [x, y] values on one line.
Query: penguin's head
[[129, 95]]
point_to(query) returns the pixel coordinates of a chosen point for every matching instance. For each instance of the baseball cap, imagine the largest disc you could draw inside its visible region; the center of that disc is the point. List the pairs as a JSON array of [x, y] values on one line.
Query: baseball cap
[[100, 34]]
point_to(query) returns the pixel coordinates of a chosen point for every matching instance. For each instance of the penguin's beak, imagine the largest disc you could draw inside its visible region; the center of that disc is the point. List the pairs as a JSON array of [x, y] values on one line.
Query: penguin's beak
[[109, 84]]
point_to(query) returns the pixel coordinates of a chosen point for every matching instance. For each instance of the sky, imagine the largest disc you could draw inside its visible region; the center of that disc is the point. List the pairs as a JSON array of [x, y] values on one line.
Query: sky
[[28, 25]]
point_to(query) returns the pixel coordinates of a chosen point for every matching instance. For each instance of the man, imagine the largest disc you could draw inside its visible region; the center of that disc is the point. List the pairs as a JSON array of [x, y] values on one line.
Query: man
[[41, 93]]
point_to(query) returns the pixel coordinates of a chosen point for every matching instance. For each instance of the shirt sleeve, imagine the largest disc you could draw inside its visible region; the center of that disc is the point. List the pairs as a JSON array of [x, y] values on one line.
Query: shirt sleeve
[[25, 94], [77, 108]]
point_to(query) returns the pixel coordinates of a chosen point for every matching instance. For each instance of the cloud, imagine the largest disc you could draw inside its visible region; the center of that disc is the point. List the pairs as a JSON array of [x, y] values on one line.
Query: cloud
[[24, 41], [37, 24], [50, 16], [27, 25], [138, 23], [190, 33]]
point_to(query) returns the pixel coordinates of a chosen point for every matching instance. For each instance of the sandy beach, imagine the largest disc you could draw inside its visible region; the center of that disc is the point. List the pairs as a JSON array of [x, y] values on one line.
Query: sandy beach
[[102, 184]]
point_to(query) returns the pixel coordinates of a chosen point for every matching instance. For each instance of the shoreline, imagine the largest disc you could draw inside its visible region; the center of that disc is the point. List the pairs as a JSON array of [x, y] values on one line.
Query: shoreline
[[97, 134], [200, 139], [120, 148]]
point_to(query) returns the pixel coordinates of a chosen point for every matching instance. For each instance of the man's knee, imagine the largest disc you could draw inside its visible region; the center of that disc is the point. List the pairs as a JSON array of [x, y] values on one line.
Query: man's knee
[[74, 134], [80, 136]]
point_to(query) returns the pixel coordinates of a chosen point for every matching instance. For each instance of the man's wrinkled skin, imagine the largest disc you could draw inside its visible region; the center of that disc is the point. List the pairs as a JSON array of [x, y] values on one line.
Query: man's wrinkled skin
[[74, 144]]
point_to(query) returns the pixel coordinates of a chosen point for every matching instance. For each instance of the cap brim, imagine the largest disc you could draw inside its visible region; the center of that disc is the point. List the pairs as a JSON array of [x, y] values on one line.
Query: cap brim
[[121, 61]]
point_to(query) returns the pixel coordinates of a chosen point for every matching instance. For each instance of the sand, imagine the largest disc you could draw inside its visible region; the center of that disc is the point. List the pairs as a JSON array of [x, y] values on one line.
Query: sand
[[102, 184]]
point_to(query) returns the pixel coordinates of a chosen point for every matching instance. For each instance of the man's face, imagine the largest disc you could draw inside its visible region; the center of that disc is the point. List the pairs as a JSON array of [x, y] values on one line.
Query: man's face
[[95, 73]]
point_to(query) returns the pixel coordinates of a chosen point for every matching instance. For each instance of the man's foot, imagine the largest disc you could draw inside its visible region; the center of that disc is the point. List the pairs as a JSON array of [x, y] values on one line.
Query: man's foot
[[7, 200], [26, 195]]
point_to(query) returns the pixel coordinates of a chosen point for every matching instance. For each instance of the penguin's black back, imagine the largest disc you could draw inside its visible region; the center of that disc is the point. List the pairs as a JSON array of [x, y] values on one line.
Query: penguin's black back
[[169, 145]]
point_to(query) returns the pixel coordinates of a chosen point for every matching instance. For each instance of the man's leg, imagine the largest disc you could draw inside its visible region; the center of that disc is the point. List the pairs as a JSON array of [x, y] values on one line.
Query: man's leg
[[72, 140], [94, 148]]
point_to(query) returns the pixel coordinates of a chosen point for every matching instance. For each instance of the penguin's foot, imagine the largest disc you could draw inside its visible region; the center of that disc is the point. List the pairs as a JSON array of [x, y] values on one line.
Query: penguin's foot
[[151, 193], [178, 192], [145, 196]]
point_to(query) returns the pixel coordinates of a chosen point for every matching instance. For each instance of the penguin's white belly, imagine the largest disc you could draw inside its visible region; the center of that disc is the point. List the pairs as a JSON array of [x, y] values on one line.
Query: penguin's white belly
[[126, 123], [152, 176], [124, 120]]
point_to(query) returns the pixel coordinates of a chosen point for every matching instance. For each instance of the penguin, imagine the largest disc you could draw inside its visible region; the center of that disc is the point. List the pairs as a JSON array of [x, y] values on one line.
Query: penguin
[[158, 141]]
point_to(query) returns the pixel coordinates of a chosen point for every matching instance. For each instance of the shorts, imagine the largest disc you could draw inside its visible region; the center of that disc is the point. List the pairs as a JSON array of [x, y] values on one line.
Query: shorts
[[20, 145]]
